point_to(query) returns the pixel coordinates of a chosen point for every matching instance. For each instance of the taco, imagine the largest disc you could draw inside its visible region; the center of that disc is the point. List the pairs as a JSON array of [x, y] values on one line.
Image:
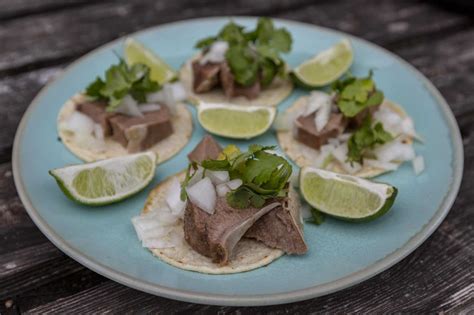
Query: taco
[[125, 113], [352, 131], [215, 219], [240, 67]]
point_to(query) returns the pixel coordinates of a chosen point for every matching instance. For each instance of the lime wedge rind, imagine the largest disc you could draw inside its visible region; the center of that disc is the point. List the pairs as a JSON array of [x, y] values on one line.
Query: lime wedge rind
[[346, 197], [235, 121], [325, 67], [119, 171], [135, 52]]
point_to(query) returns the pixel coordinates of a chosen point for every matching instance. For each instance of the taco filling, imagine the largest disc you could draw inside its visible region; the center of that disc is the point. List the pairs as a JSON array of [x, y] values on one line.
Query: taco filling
[[226, 201], [351, 130], [126, 112], [239, 62]]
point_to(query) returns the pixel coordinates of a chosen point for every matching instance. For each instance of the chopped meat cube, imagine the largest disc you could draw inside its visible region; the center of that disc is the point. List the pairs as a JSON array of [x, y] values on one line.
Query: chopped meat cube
[[207, 149], [205, 76], [232, 89], [96, 111], [140, 133], [307, 133]]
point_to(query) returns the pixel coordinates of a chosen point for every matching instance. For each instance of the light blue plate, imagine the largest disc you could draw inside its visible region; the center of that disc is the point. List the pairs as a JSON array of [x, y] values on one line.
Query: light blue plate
[[340, 254]]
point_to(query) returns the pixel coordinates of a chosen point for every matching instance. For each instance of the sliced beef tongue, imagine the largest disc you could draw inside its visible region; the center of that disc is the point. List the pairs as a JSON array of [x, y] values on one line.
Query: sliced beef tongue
[[232, 89], [281, 228], [96, 111], [307, 133], [205, 76], [207, 149], [216, 235], [140, 133]]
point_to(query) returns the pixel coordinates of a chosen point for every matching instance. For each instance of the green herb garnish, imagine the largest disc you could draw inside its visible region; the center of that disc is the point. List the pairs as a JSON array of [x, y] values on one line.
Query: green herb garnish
[[356, 94], [366, 137], [264, 175], [253, 55], [318, 216], [121, 80]]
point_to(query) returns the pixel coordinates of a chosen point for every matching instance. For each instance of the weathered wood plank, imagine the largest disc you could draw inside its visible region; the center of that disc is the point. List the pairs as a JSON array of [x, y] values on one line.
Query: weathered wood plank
[[69, 33], [21, 8]]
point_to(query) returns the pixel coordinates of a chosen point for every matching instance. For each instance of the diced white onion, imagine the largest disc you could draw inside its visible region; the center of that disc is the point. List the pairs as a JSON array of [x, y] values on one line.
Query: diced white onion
[[396, 124], [216, 53], [173, 199], [149, 107], [203, 195], [234, 184], [129, 106], [316, 100], [322, 116], [222, 189], [324, 152], [153, 228], [197, 176], [306, 211], [344, 137], [418, 164], [77, 122], [169, 95], [99, 132], [217, 177], [172, 239], [379, 164], [394, 151]]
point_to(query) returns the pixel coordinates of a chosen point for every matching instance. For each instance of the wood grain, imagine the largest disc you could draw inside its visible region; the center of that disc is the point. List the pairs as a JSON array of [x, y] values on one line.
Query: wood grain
[[39, 38]]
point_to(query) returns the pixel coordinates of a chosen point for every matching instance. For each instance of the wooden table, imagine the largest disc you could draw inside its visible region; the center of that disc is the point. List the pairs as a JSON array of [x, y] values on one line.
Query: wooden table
[[39, 38]]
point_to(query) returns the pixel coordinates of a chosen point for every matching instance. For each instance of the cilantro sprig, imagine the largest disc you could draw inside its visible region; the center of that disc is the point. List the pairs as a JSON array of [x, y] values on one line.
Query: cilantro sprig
[[366, 137], [253, 55], [264, 175], [353, 95], [121, 80]]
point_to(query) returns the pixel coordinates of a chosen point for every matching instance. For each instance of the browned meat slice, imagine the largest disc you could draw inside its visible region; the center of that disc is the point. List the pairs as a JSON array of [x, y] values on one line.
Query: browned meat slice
[[216, 235], [281, 228], [307, 133], [207, 149], [96, 111], [205, 76], [356, 121], [232, 89], [140, 133]]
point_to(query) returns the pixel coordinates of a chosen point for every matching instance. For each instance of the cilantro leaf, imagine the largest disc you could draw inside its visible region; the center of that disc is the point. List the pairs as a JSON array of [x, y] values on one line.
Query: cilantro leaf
[[243, 65], [121, 80], [366, 137], [318, 216], [205, 42], [356, 94]]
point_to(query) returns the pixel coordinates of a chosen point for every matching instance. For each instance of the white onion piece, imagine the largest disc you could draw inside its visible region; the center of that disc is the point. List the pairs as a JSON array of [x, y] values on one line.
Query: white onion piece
[[129, 106], [379, 164], [322, 116], [306, 211], [222, 189], [395, 151], [149, 107], [325, 151], [418, 164], [155, 224], [216, 53], [203, 195], [340, 152], [396, 124], [169, 95], [173, 199], [334, 141], [98, 132], [316, 100], [197, 176], [217, 177], [77, 122], [234, 184], [344, 137]]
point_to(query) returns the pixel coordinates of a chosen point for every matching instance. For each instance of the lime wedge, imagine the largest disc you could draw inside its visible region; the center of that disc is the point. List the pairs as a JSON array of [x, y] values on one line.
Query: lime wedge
[[106, 181], [325, 67], [135, 52], [346, 197], [235, 121]]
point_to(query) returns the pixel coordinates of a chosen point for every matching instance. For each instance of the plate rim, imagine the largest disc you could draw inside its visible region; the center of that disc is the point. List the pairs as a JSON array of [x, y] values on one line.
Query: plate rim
[[261, 299]]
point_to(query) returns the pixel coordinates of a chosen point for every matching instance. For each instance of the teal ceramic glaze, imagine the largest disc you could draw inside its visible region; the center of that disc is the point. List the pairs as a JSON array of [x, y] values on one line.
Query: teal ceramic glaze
[[340, 253]]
